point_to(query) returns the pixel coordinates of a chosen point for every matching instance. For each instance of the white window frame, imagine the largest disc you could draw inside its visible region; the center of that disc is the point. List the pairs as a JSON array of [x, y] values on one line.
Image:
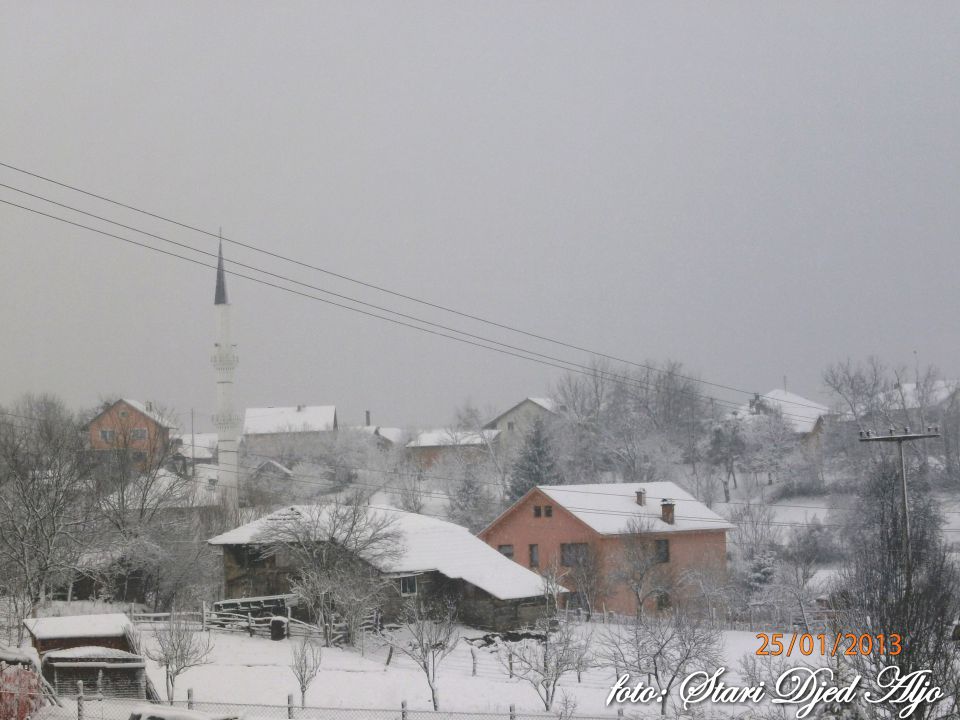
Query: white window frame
[[108, 435], [139, 433]]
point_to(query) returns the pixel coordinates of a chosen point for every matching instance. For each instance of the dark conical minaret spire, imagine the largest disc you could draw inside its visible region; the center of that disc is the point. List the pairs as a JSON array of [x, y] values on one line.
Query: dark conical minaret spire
[[220, 297]]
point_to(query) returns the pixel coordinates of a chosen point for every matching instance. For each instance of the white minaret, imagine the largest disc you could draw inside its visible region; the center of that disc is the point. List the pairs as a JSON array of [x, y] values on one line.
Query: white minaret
[[227, 420]]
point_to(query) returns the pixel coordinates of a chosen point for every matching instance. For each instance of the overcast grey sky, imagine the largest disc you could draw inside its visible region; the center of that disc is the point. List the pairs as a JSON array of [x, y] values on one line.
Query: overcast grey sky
[[755, 189]]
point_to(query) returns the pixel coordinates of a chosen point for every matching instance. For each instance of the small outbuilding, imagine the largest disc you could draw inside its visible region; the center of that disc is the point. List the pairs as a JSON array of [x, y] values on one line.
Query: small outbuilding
[[109, 630], [105, 671]]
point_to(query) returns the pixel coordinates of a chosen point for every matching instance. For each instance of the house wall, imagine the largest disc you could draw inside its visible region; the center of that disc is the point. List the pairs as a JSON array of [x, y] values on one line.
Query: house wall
[[522, 417], [520, 528], [246, 574], [123, 419]]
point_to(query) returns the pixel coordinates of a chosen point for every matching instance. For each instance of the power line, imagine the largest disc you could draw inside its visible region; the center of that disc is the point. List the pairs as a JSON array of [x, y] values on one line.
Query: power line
[[187, 246], [394, 293], [505, 349]]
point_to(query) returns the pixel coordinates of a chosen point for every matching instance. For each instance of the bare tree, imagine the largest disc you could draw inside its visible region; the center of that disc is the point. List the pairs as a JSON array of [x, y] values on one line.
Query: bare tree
[[43, 513], [427, 634], [338, 548], [644, 566], [551, 578], [664, 647], [552, 651], [180, 645], [305, 664], [591, 580]]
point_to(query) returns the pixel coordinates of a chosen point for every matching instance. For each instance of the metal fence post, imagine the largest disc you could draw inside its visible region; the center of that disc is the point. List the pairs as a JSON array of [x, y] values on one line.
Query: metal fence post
[[290, 705], [513, 712], [100, 682], [510, 660], [203, 615], [619, 712], [403, 710], [473, 654], [79, 699], [189, 698]]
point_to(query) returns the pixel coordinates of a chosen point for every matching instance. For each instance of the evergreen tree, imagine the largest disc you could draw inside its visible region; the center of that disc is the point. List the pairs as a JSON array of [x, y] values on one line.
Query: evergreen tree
[[535, 465]]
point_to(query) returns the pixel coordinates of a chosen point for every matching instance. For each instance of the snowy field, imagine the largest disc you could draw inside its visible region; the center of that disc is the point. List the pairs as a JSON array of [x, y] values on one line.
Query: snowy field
[[256, 670]]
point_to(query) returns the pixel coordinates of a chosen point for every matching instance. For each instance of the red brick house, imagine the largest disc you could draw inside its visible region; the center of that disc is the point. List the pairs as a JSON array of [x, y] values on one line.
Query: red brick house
[[643, 538], [130, 425]]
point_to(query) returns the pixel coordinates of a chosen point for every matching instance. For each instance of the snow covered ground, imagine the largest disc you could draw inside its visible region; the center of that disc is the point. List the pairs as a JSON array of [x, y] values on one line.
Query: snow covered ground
[[255, 670]]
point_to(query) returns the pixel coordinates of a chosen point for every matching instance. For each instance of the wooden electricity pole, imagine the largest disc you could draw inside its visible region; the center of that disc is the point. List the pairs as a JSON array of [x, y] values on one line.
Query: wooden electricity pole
[[900, 439]]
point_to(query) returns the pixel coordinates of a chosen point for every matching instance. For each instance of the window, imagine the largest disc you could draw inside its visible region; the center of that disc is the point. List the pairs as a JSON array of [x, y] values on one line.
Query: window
[[123, 413], [573, 554], [107, 435], [537, 511], [408, 585], [662, 551], [509, 427], [548, 510], [506, 550], [138, 434], [663, 601], [140, 457], [534, 556]]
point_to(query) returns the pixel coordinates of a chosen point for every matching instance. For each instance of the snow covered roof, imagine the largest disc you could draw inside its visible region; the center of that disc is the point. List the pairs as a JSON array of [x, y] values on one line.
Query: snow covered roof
[[427, 544], [78, 626], [452, 438], [171, 713], [197, 446], [298, 418], [548, 404], [609, 508], [90, 652], [13, 656], [151, 412], [799, 412], [268, 465], [391, 434]]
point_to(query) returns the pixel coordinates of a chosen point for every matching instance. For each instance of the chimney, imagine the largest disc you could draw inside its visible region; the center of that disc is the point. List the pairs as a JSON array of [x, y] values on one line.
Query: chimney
[[641, 497], [666, 511], [367, 423], [299, 408], [148, 406]]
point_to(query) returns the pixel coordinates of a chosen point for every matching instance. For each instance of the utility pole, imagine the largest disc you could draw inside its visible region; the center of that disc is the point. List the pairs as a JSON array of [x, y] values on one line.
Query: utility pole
[[933, 431]]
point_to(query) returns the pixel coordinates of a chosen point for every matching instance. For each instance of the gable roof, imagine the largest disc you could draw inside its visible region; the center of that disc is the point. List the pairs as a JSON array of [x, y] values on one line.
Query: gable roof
[[296, 418], [452, 438], [140, 407], [548, 404], [78, 626], [798, 412], [273, 465], [609, 508], [428, 544]]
